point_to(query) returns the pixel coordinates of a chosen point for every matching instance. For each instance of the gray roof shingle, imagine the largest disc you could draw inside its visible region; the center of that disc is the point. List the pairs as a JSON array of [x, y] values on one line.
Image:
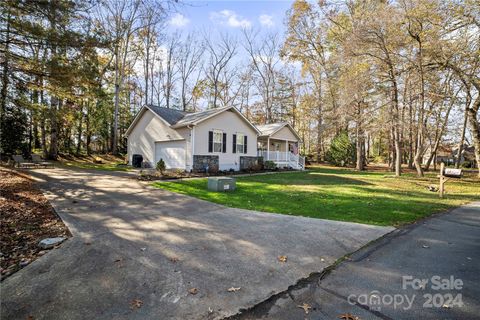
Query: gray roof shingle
[[180, 118], [172, 116], [191, 118]]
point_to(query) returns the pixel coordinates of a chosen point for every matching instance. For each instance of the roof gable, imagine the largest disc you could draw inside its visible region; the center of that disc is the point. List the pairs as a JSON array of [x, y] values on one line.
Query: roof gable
[[198, 117], [270, 129]]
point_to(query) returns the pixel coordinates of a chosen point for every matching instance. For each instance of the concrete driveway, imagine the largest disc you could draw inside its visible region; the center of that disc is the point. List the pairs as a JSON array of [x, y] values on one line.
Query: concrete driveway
[[132, 242]]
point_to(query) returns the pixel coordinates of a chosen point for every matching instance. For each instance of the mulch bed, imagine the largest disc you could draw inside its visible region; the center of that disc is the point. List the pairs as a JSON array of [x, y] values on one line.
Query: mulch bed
[[152, 175], [26, 218]]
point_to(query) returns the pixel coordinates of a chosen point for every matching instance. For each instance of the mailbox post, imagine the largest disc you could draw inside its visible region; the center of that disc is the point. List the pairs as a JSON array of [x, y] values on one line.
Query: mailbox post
[[445, 174]]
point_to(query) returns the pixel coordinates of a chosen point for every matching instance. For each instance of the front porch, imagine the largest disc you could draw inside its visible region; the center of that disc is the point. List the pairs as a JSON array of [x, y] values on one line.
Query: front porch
[[285, 153]]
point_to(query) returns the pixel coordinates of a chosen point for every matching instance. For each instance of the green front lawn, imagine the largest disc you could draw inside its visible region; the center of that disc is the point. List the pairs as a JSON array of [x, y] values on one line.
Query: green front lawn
[[338, 194]]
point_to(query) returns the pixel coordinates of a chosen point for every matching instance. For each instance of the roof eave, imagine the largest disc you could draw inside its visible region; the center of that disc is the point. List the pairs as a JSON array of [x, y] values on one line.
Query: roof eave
[[135, 120], [286, 124]]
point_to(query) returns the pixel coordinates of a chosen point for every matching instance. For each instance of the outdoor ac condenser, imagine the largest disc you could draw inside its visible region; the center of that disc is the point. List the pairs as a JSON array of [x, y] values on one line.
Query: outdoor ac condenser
[[221, 184]]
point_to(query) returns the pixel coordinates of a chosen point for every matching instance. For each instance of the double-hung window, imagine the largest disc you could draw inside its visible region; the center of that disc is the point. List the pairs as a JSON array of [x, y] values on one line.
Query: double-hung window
[[240, 143], [217, 140]]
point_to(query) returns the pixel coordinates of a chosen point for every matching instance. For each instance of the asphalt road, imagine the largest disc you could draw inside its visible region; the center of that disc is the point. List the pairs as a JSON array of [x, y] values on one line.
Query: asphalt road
[[428, 270]]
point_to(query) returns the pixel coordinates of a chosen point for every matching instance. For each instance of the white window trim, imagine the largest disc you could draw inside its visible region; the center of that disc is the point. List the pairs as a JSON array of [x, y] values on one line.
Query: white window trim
[[215, 132], [242, 144]]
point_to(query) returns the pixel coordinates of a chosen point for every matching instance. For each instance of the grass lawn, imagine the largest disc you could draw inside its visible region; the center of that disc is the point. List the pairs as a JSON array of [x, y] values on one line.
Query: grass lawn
[[101, 166], [108, 162], [338, 194]]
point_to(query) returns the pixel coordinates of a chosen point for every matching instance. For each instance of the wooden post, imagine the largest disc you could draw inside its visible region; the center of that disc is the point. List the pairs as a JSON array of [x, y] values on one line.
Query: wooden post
[[442, 179]]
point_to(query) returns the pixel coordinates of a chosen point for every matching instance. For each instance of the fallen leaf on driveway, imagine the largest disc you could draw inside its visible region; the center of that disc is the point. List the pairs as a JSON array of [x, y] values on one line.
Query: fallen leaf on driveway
[[348, 316], [136, 303], [305, 307], [143, 249], [233, 289], [118, 260], [425, 246], [282, 258], [446, 306], [88, 243], [174, 259], [193, 291]]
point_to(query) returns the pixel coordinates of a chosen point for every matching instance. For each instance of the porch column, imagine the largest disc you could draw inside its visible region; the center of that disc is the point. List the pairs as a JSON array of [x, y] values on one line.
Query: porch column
[[287, 155], [268, 148]]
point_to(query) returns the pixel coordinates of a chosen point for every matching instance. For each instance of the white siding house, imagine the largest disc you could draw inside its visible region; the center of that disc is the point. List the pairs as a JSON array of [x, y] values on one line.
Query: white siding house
[[146, 131], [191, 140], [225, 126]]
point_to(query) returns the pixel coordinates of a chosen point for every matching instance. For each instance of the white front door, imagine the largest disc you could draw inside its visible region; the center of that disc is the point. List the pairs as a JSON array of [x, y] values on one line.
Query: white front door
[[172, 153]]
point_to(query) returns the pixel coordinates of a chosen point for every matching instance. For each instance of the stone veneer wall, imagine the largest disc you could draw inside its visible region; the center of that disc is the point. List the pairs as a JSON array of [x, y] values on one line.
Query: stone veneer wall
[[247, 162], [201, 162]]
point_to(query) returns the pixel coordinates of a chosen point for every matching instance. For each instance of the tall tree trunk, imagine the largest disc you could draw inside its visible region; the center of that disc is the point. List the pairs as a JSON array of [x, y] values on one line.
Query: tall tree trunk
[[367, 153], [417, 160], [398, 152], [36, 141], [79, 130], [464, 129], [319, 120], [475, 129], [147, 61], [43, 129], [391, 149], [30, 133], [54, 129], [6, 57], [439, 135], [359, 140], [88, 133], [114, 131], [396, 129], [183, 93]]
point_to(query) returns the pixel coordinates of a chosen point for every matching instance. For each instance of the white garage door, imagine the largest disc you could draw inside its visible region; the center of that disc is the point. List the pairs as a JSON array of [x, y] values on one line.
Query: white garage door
[[172, 152]]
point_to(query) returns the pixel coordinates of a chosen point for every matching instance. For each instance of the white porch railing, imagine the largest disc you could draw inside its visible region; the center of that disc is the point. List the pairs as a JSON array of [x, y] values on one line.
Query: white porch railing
[[283, 158]]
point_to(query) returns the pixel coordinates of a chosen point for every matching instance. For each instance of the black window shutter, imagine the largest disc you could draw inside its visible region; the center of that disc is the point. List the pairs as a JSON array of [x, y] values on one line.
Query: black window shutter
[[210, 141], [224, 142], [244, 144], [234, 144]]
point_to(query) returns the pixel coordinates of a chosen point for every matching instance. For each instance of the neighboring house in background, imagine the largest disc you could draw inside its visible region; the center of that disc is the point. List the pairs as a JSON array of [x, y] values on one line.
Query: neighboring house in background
[[448, 155], [280, 143], [467, 157], [215, 139], [443, 154]]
